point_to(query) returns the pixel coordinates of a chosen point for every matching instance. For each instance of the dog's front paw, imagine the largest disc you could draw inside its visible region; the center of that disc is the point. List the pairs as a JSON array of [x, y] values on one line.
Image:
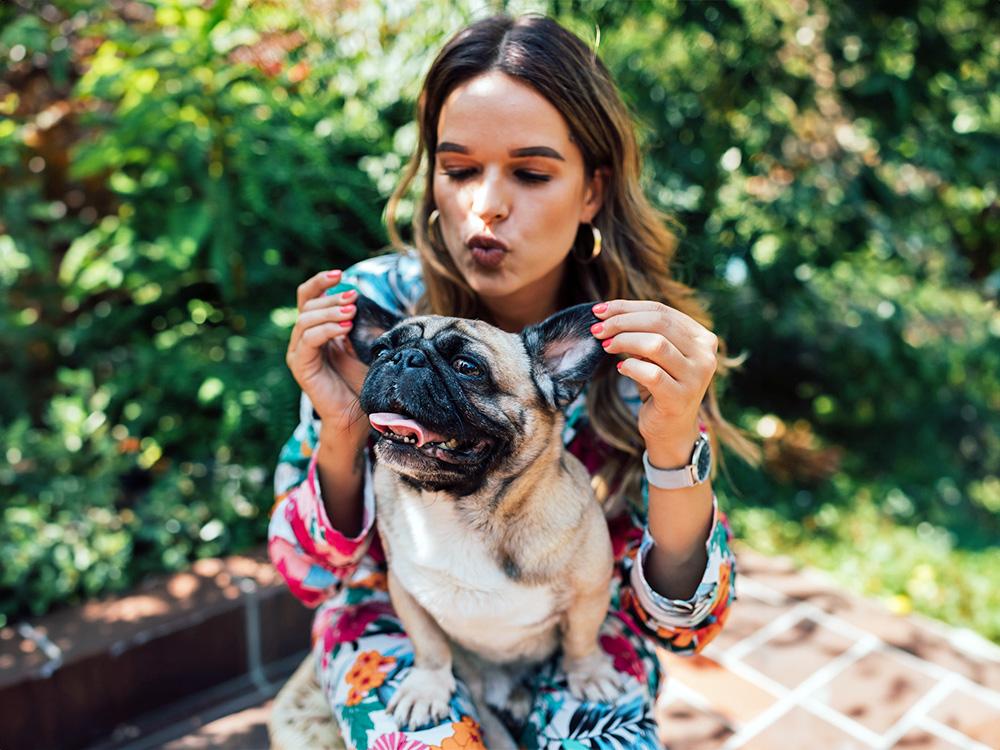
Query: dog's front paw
[[422, 697], [593, 677]]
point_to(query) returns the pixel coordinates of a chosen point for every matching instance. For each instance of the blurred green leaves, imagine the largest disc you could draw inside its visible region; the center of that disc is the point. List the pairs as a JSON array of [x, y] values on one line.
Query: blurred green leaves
[[160, 201]]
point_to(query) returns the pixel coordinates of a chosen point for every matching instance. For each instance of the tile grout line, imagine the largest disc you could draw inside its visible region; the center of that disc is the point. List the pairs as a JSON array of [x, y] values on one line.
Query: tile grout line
[[925, 666], [943, 673], [766, 593], [680, 691], [825, 674], [946, 677], [797, 696], [755, 678], [777, 626], [929, 700], [985, 694], [944, 732], [844, 723], [937, 672], [761, 592]]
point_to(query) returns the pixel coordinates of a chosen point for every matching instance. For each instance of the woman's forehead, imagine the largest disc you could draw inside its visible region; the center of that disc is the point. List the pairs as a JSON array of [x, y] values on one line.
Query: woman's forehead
[[496, 112]]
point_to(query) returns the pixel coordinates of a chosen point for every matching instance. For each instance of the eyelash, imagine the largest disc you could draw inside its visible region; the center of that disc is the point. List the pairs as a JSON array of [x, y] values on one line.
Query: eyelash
[[530, 177]]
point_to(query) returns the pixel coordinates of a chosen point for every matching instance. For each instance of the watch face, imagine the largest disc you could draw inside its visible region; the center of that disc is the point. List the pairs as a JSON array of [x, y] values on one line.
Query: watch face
[[703, 461]]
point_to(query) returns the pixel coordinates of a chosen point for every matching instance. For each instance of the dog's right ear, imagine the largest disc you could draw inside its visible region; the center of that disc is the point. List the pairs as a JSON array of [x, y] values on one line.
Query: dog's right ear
[[370, 321]]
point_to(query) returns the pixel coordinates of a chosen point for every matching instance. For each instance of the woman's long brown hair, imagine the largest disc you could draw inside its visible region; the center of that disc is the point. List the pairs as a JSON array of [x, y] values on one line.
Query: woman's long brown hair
[[638, 247]]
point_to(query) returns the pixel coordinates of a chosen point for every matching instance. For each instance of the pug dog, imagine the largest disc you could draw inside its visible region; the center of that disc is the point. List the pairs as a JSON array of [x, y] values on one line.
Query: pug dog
[[498, 552]]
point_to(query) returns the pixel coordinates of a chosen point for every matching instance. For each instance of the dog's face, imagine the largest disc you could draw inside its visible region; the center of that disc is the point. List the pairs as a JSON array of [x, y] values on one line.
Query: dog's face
[[456, 401]]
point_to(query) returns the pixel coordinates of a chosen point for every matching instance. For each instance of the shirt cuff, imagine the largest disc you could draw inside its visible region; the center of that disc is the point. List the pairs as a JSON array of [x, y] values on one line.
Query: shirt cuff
[[325, 530], [682, 613]]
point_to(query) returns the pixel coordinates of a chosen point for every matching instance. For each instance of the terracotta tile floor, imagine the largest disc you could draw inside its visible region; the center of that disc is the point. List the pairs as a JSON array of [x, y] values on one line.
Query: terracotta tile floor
[[800, 664]]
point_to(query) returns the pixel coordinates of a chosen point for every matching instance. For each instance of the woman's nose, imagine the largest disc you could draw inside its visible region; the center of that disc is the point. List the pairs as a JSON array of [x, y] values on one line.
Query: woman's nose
[[489, 201]]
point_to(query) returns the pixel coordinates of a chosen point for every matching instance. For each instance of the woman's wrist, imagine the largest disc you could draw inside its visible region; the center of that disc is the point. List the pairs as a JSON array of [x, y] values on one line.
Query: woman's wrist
[[672, 448], [340, 467], [349, 423]]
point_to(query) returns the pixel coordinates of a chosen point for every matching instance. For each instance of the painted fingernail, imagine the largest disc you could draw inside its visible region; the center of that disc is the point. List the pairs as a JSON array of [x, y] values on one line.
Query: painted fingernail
[[347, 308], [597, 328], [607, 342], [333, 274], [346, 323], [350, 294], [600, 307], [619, 365]]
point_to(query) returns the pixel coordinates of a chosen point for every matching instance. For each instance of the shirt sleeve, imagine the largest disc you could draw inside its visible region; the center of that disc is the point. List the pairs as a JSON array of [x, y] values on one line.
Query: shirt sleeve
[[393, 280], [684, 626], [312, 556]]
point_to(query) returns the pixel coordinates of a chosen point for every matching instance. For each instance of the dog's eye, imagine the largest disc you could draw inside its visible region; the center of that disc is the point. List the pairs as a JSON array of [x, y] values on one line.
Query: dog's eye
[[465, 366]]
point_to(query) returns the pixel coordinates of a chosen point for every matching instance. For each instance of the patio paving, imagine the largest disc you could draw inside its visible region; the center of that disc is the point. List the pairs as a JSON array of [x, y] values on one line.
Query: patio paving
[[800, 664]]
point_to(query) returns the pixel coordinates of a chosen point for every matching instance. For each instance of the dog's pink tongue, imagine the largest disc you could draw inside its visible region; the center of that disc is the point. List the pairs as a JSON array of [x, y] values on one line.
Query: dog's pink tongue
[[401, 425]]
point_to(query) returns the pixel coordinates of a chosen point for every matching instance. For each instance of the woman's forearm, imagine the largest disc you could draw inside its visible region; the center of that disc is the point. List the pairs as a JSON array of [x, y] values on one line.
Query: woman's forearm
[[340, 470], [680, 521], [680, 527]]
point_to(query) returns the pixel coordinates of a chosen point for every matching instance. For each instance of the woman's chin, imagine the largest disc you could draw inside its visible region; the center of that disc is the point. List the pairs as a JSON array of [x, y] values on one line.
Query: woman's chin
[[492, 282]]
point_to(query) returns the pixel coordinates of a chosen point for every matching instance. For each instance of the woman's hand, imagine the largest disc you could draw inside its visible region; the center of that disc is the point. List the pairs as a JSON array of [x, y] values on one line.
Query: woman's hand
[[672, 358], [320, 355]]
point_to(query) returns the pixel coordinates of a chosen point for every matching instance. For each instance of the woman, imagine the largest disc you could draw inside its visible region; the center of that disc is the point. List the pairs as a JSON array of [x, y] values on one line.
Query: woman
[[531, 203]]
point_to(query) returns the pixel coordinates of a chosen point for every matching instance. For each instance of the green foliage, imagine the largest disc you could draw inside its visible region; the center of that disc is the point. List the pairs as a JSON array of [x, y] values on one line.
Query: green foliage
[[174, 169], [910, 567], [161, 203], [834, 169]]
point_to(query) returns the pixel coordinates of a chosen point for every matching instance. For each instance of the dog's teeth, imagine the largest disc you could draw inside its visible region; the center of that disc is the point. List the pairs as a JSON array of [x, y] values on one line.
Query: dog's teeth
[[451, 444]]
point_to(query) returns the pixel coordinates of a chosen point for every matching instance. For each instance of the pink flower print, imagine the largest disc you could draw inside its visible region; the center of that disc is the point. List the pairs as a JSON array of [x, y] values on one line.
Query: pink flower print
[[352, 623], [624, 536], [626, 660], [397, 741]]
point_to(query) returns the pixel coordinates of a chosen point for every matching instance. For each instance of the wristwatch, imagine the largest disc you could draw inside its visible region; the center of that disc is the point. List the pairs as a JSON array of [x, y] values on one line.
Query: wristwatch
[[695, 472]]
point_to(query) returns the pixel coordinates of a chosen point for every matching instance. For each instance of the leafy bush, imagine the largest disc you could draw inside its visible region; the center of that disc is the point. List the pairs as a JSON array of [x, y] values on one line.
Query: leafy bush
[[171, 174]]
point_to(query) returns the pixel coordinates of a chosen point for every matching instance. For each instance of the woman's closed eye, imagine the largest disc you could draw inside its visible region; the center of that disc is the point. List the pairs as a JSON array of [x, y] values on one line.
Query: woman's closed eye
[[458, 175]]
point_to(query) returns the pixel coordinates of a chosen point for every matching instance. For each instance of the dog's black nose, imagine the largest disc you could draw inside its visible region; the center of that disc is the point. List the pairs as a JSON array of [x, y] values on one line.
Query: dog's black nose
[[411, 358]]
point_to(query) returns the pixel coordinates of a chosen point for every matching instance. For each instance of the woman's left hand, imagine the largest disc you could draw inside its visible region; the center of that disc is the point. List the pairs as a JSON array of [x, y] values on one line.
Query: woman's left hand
[[671, 357]]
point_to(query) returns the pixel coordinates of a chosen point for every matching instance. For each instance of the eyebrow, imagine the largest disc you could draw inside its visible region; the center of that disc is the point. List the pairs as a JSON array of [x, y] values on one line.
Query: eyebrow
[[551, 153]]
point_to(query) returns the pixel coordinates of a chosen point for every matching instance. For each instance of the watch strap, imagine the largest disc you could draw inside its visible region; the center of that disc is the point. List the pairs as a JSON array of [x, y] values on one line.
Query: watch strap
[[674, 479], [668, 479]]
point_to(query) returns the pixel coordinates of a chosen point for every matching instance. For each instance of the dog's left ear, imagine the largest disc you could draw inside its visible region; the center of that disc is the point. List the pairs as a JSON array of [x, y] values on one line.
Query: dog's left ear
[[562, 347], [370, 321]]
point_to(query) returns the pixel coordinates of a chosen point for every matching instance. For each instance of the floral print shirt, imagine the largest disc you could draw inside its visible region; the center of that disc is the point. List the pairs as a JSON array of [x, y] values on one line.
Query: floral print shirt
[[315, 559]]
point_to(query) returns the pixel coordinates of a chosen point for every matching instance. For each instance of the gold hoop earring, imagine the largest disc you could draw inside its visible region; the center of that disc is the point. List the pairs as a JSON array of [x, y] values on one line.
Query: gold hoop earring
[[581, 252], [432, 220]]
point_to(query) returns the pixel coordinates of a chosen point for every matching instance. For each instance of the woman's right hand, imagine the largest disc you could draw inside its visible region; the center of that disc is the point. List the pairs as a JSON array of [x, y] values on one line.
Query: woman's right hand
[[321, 357]]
